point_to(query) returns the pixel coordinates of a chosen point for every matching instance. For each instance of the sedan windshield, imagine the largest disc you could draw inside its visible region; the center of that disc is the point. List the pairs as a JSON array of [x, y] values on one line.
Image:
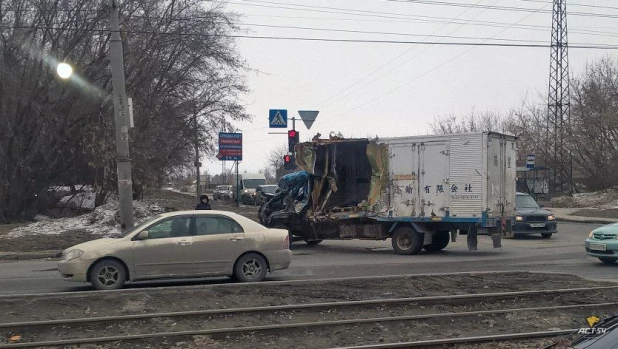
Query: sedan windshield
[[526, 201]]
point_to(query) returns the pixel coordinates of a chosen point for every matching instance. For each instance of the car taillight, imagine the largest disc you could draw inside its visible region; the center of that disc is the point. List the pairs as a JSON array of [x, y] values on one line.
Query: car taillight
[[286, 242]]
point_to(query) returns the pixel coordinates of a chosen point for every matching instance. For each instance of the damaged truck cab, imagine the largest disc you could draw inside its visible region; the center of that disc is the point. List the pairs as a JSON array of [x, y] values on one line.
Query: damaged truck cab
[[422, 191]]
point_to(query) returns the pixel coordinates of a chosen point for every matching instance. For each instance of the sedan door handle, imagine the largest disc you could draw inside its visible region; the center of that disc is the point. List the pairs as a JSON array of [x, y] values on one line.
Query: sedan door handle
[[236, 238], [184, 243]]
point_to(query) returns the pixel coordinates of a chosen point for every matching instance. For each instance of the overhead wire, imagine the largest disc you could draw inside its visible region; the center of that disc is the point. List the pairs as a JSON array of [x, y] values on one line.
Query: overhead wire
[[353, 12], [414, 18], [397, 57], [407, 42], [417, 77]]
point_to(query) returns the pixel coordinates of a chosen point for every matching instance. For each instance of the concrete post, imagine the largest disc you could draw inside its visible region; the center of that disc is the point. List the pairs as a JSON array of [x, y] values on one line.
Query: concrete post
[[121, 122]]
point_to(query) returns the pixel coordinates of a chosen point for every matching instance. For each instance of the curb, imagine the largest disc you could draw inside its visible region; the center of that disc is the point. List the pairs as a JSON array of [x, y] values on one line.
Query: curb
[[29, 255], [591, 220]]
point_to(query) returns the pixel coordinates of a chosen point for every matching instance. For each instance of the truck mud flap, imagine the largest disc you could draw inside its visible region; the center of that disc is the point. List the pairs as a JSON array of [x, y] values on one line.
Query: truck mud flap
[[472, 238]]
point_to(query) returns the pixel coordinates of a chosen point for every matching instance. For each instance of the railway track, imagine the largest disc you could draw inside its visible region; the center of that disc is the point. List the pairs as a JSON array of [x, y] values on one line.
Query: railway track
[[401, 321]]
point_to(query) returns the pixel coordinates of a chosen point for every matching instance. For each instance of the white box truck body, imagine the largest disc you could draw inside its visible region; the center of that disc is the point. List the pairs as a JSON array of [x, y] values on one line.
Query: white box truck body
[[421, 191]]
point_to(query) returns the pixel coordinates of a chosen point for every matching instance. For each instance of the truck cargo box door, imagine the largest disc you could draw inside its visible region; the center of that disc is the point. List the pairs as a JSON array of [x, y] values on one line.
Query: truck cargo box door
[[466, 176], [433, 176], [404, 191]]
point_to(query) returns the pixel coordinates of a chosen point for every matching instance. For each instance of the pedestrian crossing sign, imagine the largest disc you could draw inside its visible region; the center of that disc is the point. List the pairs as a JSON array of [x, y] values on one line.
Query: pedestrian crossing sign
[[278, 118]]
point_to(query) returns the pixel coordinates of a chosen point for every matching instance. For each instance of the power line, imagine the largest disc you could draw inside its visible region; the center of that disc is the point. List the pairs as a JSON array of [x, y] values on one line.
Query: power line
[[498, 8], [407, 18], [337, 10], [405, 42], [574, 5], [419, 76], [401, 55]]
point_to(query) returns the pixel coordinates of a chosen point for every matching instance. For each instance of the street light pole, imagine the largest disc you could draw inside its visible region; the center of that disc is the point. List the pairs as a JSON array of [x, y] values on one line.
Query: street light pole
[[121, 122]]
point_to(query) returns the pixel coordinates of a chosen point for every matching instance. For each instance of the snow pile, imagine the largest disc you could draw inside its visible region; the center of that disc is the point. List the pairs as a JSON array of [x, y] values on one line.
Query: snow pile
[[102, 221], [84, 200], [605, 199]]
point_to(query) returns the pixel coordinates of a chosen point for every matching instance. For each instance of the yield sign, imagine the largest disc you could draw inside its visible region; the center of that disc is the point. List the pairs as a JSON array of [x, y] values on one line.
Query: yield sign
[[308, 117]]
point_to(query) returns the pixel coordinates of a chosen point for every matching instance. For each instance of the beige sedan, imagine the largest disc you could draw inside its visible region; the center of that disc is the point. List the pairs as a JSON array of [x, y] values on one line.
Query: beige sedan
[[180, 245]]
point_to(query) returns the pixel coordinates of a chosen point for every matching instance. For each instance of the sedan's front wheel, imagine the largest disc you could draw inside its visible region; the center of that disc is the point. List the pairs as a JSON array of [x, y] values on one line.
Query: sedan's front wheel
[[250, 268], [107, 274]]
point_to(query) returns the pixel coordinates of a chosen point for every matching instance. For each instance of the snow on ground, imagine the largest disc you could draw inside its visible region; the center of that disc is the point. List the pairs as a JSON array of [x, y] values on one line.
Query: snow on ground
[[83, 200], [101, 221], [605, 199]]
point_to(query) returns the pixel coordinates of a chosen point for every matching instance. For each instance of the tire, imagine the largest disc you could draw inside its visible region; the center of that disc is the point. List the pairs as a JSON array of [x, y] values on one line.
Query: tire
[[546, 235], [608, 260], [313, 242], [440, 241], [407, 241], [250, 267], [107, 274]]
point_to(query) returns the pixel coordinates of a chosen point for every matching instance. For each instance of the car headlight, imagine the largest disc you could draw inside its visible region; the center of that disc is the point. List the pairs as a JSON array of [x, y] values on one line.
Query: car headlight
[[551, 217], [73, 254], [519, 218], [590, 234]]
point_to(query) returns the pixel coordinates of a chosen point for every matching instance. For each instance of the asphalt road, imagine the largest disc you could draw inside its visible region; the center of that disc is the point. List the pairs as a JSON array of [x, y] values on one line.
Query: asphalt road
[[563, 253]]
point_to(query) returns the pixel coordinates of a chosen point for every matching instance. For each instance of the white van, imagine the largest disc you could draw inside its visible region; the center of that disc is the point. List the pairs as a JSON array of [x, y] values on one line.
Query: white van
[[248, 182]]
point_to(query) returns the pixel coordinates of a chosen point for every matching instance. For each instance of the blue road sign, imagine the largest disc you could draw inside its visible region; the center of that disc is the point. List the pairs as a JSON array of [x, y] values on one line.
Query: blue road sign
[[230, 146], [278, 118], [530, 160]]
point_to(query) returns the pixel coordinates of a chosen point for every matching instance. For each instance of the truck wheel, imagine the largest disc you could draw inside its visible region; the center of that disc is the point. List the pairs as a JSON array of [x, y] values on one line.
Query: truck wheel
[[440, 241], [608, 260], [406, 240], [312, 242]]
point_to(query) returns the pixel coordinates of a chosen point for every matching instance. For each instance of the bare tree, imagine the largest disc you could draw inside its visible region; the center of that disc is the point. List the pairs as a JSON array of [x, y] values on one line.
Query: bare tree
[[275, 158], [594, 121], [181, 65]]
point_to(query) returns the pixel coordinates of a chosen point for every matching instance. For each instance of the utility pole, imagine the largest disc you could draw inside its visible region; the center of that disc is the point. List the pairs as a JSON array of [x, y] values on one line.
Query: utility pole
[[198, 164], [121, 122], [559, 102]]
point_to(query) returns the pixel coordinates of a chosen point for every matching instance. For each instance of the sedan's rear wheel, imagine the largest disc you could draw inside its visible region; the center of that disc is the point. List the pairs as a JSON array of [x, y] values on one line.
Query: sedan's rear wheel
[[107, 274], [546, 235], [250, 268], [608, 260]]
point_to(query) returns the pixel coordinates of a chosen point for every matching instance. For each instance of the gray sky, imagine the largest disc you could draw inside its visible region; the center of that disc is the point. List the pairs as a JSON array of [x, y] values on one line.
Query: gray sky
[[379, 89]]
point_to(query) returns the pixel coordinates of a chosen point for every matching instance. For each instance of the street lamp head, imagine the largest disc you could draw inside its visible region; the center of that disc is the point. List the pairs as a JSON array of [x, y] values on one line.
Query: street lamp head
[[64, 70]]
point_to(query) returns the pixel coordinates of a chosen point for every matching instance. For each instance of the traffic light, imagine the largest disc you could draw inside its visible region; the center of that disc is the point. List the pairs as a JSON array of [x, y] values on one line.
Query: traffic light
[[292, 140], [288, 162]]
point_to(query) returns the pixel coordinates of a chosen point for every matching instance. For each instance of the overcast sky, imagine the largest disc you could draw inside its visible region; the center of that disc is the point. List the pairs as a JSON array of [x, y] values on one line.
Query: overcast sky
[[396, 89]]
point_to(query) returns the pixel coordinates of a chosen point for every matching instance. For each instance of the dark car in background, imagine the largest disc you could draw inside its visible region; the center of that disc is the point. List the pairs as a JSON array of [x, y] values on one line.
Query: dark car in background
[[264, 193], [532, 219]]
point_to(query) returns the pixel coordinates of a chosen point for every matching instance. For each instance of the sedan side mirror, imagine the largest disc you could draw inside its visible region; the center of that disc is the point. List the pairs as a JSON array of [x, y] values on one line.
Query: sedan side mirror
[[142, 235]]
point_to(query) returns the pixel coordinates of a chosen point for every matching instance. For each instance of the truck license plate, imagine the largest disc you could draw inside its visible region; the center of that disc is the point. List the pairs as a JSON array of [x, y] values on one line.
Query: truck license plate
[[537, 225], [598, 247]]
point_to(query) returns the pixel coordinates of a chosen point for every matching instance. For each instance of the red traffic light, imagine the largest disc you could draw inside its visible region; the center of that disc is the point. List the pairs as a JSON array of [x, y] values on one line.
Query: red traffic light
[[287, 159], [292, 133]]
